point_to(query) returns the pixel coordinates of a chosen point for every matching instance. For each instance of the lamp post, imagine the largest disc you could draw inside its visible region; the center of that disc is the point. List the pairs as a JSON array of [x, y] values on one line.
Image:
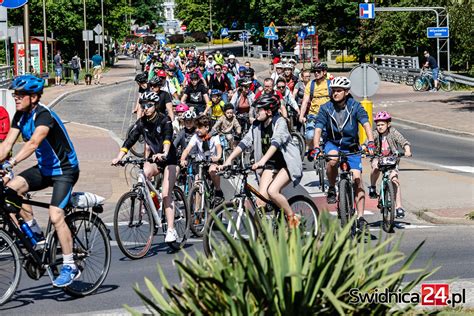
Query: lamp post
[[103, 30], [45, 42], [86, 43], [210, 18], [26, 27]]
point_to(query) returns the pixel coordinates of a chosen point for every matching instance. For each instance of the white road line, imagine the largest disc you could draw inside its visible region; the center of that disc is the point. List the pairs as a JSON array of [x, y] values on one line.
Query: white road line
[[466, 169]]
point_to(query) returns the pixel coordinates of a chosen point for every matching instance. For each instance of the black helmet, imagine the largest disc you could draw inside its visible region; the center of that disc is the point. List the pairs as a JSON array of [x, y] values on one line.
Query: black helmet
[[228, 106], [141, 78], [268, 102], [250, 72], [156, 81], [320, 66], [193, 76]]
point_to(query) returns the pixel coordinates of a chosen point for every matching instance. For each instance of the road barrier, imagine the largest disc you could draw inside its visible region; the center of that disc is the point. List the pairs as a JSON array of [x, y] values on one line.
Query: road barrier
[[468, 81], [397, 69], [5, 76]]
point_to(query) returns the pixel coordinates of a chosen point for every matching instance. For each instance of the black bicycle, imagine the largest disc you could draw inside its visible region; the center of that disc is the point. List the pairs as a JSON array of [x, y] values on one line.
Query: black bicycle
[[91, 249]]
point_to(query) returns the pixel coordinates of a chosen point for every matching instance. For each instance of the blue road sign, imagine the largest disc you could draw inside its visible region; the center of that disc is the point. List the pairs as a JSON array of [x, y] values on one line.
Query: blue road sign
[[244, 36], [160, 36], [224, 31], [13, 4], [437, 32], [162, 42], [311, 30], [234, 25], [366, 10], [209, 34], [269, 32], [302, 33]]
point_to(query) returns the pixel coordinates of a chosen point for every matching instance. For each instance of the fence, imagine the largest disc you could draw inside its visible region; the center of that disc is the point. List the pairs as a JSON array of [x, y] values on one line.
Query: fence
[[5, 76], [397, 69]]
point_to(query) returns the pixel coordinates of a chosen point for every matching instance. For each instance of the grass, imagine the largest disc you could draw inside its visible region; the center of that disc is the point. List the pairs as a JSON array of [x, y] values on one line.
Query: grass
[[470, 216]]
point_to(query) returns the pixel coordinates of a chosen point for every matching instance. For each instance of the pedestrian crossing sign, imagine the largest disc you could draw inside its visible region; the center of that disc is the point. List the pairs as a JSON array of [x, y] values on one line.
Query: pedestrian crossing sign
[[269, 32]]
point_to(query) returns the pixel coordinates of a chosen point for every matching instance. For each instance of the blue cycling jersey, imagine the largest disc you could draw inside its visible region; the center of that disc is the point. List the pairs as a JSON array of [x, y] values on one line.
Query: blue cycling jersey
[[56, 155]]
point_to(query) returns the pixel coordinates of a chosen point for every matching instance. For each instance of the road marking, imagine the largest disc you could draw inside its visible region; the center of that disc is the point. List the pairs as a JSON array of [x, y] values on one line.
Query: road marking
[[466, 169], [366, 212]]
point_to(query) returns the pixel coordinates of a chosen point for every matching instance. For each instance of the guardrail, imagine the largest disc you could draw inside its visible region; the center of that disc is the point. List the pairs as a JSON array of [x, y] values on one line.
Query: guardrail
[[258, 52], [397, 69], [5, 76], [468, 81]]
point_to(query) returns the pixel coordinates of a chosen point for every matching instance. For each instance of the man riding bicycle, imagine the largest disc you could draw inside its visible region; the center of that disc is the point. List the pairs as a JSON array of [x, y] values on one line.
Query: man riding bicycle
[[340, 117], [58, 166]]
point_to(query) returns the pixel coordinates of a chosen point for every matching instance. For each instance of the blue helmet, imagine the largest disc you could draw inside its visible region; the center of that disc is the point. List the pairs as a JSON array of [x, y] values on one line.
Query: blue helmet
[[216, 92], [242, 68], [27, 84]]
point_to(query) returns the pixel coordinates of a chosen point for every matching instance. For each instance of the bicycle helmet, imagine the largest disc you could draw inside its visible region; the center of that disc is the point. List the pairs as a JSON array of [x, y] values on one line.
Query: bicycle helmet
[[249, 72], [242, 69], [27, 84], [231, 56], [244, 82], [216, 92], [149, 97], [320, 66], [383, 116], [268, 102], [181, 108], [288, 66], [141, 78], [157, 81], [160, 73], [279, 65], [189, 115], [340, 82]]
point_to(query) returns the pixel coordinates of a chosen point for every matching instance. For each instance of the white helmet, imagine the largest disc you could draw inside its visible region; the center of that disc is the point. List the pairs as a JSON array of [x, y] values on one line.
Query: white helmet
[[288, 66], [340, 82], [231, 56], [189, 115], [149, 96]]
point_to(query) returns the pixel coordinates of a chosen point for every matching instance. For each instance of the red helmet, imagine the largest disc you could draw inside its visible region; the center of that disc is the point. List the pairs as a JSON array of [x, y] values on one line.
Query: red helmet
[[161, 73]]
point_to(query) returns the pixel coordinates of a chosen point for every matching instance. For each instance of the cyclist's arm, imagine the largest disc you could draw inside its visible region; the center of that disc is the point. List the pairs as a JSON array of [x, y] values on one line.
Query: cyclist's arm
[[187, 150], [30, 146], [184, 97], [368, 132], [304, 106], [235, 153], [132, 138], [219, 151], [169, 109], [270, 152], [237, 127]]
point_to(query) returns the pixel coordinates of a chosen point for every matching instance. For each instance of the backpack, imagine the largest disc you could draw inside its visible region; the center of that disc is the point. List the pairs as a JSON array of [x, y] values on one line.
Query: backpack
[[75, 63], [4, 123], [313, 84]]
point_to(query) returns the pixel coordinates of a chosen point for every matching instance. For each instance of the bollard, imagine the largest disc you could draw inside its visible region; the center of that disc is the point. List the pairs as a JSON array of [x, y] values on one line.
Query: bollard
[[368, 106]]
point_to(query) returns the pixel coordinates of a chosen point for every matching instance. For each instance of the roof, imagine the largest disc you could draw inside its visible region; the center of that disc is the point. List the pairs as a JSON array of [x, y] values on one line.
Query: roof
[[41, 39]]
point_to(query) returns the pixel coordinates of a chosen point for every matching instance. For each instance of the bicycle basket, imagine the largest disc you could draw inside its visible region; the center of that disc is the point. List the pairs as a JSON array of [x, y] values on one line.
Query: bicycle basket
[[387, 161]]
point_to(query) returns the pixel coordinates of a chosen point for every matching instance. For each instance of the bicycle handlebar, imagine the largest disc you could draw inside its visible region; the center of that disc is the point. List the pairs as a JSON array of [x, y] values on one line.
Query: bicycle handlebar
[[134, 161]]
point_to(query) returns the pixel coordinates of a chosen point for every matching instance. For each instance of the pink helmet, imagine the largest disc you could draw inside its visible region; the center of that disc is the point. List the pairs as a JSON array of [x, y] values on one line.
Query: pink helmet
[[383, 116], [181, 108]]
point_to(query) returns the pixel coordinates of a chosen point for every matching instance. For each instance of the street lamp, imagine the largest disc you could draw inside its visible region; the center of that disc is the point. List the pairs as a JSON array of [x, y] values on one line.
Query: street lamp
[[45, 35], [103, 30], [86, 43], [210, 18]]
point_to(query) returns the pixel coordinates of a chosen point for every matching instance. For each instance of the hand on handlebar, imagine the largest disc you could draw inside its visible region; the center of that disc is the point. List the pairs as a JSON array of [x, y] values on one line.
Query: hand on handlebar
[[159, 157], [115, 161], [408, 153], [183, 163], [371, 147], [258, 165]]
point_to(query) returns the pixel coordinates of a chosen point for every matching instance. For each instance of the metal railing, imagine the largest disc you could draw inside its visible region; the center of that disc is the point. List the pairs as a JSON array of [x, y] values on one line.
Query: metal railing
[[398, 69], [465, 80], [6, 73]]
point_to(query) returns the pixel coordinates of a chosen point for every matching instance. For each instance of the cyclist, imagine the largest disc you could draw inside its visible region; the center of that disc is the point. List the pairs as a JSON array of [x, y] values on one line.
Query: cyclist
[[340, 118], [197, 94], [254, 84], [210, 63], [316, 93], [433, 65], [275, 152], [164, 103], [241, 73], [234, 66], [215, 107], [290, 78], [183, 137], [44, 133], [156, 129], [178, 123], [387, 141], [219, 58], [278, 72], [225, 71], [296, 71], [288, 100], [142, 81], [172, 85], [191, 68], [219, 81], [243, 98], [206, 146], [228, 125]]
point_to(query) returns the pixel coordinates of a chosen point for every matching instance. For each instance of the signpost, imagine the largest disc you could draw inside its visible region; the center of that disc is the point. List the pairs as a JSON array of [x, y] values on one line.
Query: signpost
[[13, 4], [183, 27], [437, 32], [366, 11], [98, 31], [244, 36]]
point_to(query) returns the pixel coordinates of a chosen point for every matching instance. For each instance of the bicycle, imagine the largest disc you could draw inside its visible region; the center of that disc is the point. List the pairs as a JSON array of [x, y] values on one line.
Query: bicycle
[[244, 122], [320, 166], [138, 149], [296, 135], [201, 198], [387, 196], [234, 217], [425, 81], [91, 249], [139, 215]]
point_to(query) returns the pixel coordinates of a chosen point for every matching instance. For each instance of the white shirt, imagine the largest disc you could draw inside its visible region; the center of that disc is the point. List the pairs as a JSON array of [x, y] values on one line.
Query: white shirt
[[197, 142]]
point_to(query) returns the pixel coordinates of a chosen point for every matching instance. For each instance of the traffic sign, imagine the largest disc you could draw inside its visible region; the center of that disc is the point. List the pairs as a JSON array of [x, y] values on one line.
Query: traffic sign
[[437, 32], [234, 25], [98, 39], [87, 35], [183, 27], [365, 81], [302, 33], [98, 29], [224, 31], [162, 42], [273, 25], [160, 36], [244, 36], [209, 34], [13, 4], [366, 10], [269, 31], [311, 30]]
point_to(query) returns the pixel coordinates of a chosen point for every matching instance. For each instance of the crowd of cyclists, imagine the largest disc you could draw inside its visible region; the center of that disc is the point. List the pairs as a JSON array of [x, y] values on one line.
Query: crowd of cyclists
[[192, 104]]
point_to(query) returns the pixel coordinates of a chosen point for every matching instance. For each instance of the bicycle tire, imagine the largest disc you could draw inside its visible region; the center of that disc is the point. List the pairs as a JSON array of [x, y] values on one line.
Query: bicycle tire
[[8, 248], [212, 235], [346, 204], [86, 228], [321, 172], [138, 216], [138, 149], [447, 84], [198, 217], [182, 218], [420, 83], [309, 214], [388, 211], [299, 142]]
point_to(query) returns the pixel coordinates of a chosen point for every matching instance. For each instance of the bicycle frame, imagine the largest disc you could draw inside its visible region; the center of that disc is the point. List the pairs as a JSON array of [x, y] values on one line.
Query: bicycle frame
[[146, 186]]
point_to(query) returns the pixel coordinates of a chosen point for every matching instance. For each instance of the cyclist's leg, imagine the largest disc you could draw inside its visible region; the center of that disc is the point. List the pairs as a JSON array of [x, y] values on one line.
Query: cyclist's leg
[[331, 166], [281, 180], [216, 180], [375, 173], [396, 181], [150, 170], [266, 179], [169, 179]]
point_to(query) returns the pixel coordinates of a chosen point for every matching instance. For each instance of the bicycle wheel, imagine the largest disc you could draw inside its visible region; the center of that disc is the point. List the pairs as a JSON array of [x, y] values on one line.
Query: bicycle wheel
[[420, 83], [133, 225], [91, 249], [447, 83], [305, 207], [199, 209], [237, 223], [139, 148], [388, 210], [299, 142], [182, 218], [10, 267], [346, 204], [321, 174]]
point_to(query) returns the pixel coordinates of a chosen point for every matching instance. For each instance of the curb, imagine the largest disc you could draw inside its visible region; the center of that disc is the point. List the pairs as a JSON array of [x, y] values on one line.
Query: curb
[[53, 103], [433, 128], [435, 219]]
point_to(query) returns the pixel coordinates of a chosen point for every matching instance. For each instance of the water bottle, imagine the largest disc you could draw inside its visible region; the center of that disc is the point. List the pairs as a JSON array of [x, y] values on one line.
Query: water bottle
[[154, 197], [27, 230]]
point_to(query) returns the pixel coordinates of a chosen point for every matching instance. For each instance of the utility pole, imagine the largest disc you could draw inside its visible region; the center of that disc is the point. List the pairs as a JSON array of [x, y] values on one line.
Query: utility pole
[[103, 31], [45, 42], [26, 27], [86, 43], [210, 18]]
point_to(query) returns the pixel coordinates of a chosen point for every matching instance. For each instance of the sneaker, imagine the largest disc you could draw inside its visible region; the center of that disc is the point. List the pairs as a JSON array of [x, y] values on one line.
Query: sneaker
[[171, 235], [400, 212], [373, 192], [332, 195], [67, 275], [39, 237], [362, 224]]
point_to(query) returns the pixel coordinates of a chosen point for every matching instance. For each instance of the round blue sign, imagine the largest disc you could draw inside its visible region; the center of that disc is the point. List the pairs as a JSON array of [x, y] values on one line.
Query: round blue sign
[[13, 4]]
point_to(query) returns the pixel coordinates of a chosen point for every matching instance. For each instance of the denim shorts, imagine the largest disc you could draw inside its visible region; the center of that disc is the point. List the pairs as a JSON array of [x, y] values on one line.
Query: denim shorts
[[355, 161], [435, 73], [59, 72], [310, 126]]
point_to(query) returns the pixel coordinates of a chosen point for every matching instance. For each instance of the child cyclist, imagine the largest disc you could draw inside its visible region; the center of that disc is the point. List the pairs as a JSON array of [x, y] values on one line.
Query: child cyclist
[[274, 152], [228, 125], [205, 146], [215, 107], [387, 141]]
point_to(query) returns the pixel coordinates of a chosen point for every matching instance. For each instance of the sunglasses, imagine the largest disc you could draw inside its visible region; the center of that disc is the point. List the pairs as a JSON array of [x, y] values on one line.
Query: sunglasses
[[281, 87], [218, 69], [147, 105], [18, 96]]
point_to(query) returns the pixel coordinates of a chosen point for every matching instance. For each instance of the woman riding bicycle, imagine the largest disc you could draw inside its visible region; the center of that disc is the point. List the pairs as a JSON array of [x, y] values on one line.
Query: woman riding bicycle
[[157, 131], [274, 152]]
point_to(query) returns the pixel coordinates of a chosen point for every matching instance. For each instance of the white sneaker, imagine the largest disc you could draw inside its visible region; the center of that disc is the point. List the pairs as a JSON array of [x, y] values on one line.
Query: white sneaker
[[171, 235]]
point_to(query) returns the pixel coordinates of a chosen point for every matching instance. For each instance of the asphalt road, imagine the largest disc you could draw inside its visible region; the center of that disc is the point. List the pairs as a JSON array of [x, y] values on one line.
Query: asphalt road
[[449, 247]]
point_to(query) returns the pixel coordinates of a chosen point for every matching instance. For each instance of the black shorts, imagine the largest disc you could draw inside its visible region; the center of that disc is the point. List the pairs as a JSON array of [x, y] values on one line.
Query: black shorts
[[275, 165], [62, 185]]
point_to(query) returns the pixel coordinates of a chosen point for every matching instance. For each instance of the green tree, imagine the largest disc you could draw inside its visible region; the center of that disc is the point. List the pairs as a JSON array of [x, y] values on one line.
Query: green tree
[[147, 12]]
